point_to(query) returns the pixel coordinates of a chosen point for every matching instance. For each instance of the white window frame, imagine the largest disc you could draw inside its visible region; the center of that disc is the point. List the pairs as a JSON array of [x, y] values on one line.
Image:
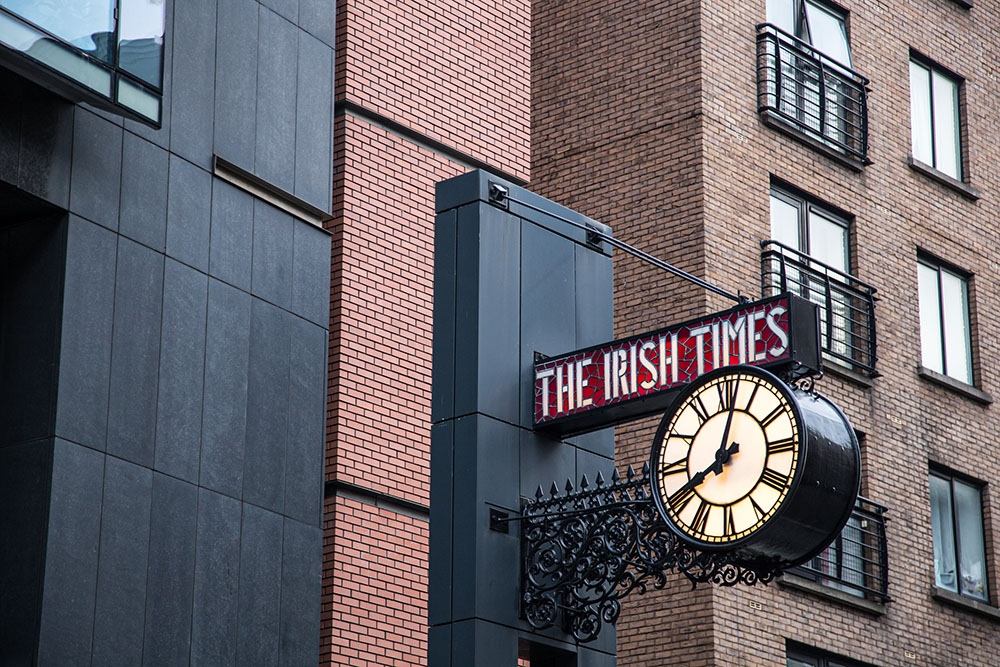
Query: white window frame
[[957, 528], [945, 345], [936, 117]]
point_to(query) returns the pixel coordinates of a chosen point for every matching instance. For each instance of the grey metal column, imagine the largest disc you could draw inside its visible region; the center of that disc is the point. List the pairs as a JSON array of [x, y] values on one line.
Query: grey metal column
[[510, 280]]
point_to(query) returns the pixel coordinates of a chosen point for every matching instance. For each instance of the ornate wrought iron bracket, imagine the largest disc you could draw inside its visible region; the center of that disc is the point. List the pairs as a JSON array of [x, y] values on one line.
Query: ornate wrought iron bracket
[[584, 550]]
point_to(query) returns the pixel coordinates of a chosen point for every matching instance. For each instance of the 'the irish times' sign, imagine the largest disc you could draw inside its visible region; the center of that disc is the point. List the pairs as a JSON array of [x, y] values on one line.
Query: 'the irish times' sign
[[626, 379]]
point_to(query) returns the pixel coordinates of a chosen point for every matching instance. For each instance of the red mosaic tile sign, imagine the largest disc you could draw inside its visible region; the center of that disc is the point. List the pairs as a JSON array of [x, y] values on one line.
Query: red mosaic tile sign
[[623, 380]]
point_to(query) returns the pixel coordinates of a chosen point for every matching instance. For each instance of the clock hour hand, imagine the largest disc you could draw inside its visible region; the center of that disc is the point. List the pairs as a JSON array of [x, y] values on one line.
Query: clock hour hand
[[721, 458]]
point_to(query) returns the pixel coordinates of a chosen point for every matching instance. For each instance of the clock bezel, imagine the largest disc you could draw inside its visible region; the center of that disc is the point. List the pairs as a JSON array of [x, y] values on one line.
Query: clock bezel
[[783, 502]]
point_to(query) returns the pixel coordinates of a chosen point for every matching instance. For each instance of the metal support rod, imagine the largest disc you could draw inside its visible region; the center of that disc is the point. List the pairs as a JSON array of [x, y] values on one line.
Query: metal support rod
[[632, 250]]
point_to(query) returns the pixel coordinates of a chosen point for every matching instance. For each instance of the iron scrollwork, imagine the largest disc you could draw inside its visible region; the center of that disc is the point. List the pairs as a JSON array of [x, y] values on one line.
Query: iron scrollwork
[[586, 549]]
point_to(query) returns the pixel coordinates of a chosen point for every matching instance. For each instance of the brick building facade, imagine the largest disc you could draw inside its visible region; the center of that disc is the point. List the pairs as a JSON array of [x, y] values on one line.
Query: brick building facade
[[650, 117]]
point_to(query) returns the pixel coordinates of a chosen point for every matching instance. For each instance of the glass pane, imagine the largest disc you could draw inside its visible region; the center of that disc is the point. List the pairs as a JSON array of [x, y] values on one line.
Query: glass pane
[[828, 33], [785, 223], [795, 662], [930, 318], [139, 100], [944, 534], [89, 26], [920, 113], [946, 137], [957, 339], [969, 510], [54, 54], [782, 14], [140, 45], [828, 241]]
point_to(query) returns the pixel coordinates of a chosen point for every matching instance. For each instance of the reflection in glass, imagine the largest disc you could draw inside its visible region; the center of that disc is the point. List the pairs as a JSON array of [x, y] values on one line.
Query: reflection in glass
[[957, 340], [920, 113], [140, 40], [944, 534], [86, 24], [972, 554], [930, 318], [946, 138]]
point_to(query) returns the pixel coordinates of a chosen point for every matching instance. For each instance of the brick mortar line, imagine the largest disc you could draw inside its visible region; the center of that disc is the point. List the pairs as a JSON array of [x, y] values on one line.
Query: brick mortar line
[[348, 107]]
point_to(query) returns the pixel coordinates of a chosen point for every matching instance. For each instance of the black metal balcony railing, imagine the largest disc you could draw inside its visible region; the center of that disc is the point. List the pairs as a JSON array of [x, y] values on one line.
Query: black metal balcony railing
[[857, 562], [815, 94], [846, 304]]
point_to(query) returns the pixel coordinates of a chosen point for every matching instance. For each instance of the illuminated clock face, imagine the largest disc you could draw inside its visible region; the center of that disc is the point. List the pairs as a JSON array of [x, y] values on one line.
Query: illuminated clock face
[[726, 456]]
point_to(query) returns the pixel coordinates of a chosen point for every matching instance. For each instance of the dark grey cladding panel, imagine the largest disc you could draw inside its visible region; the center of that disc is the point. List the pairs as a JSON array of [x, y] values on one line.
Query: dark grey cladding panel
[[289, 9], [85, 355], [314, 123], [548, 304], [193, 107], [272, 254], [311, 273], [97, 164], [232, 234], [67, 621], [487, 312], [32, 255], [544, 461], [121, 579], [236, 82], [182, 371], [594, 298], [170, 581], [144, 192], [318, 17], [189, 210], [301, 588], [45, 160], [481, 643], [267, 406], [216, 583], [306, 422], [10, 124], [135, 353], [442, 506], [277, 56], [593, 657], [227, 351], [486, 475], [25, 473], [443, 366], [260, 587]]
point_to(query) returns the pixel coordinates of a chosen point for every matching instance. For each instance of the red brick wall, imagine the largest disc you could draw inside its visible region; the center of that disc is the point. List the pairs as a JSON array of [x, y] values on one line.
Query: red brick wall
[[374, 588], [456, 71], [378, 423]]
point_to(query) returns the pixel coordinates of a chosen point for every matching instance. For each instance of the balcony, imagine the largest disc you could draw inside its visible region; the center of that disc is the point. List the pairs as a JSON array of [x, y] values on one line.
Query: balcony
[[813, 97], [857, 563], [846, 304]]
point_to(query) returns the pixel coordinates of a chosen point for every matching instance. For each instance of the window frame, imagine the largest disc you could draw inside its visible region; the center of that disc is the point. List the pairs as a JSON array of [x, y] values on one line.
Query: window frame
[[933, 263], [932, 67], [815, 657], [951, 477], [126, 94], [807, 205]]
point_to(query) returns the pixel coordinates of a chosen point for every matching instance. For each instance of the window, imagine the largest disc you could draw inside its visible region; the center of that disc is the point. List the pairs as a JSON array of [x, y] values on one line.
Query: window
[[816, 24], [800, 655], [108, 52], [957, 526], [806, 75], [945, 332], [934, 118], [821, 234]]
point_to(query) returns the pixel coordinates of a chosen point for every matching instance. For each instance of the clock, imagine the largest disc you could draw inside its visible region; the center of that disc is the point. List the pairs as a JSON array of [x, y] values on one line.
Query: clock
[[743, 462]]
